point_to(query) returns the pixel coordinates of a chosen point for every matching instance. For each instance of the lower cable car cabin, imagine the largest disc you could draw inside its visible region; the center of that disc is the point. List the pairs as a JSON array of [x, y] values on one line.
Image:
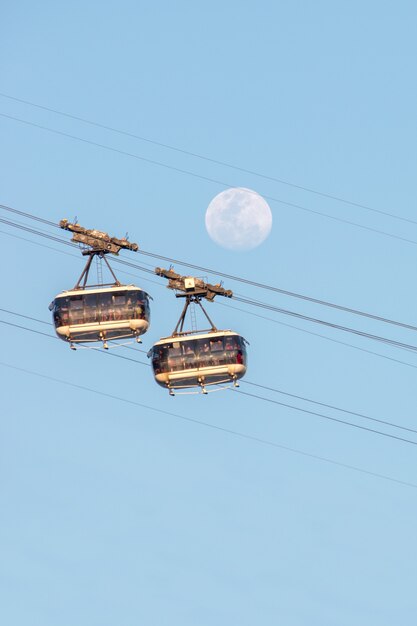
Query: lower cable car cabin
[[101, 314], [183, 361]]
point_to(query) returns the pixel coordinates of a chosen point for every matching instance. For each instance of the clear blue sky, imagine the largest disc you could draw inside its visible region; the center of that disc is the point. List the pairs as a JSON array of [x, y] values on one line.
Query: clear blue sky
[[116, 514]]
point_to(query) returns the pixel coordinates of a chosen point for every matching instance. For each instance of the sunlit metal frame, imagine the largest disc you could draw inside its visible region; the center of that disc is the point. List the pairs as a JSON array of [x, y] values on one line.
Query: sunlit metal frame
[[84, 275], [193, 290], [101, 244]]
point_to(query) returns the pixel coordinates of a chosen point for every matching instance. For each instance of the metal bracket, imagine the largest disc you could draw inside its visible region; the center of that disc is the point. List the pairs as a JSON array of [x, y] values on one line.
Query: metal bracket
[[87, 268], [193, 290], [100, 243], [96, 239], [190, 285]]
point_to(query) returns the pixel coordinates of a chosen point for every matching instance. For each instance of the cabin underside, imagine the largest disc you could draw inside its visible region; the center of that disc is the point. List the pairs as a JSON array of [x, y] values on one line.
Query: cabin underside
[[201, 377], [102, 331]]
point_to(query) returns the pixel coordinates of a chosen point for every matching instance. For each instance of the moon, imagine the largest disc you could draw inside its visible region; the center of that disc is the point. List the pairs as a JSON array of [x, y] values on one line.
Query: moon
[[238, 219]]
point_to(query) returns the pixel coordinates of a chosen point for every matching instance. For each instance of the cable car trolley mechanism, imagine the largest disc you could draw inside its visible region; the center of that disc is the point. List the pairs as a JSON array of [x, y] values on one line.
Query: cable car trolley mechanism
[[197, 358], [101, 312]]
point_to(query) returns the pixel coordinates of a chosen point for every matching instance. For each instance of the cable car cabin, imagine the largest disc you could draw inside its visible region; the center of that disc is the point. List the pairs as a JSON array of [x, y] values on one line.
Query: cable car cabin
[[101, 314], [211, 358]]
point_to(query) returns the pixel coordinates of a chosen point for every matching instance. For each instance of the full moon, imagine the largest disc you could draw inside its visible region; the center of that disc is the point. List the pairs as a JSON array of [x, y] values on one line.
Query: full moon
[[238, 219]]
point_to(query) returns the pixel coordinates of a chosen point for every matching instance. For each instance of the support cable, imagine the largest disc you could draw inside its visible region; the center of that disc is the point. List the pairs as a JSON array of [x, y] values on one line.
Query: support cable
[[229, 431], [269, 319], [302, 410], [208, 159], [259, 304], [228, 276], [201, 177]]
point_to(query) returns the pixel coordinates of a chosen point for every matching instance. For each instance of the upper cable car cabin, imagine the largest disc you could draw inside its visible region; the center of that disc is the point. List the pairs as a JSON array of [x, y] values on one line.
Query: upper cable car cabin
[[211, 358], [101, 314]]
